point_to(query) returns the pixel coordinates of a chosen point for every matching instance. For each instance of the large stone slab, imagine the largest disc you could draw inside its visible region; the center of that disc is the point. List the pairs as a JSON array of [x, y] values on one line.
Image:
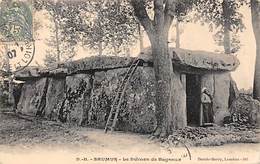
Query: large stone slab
[[33, 73], [55, 96], [78, 102], [98, 63], [218, 85], [204, 60], [221, 97], [208, 82], [138, 108], [32, 99], [233, 92], [191, 59], [29, 73], [88, 64], [178, 102], [101, 99]]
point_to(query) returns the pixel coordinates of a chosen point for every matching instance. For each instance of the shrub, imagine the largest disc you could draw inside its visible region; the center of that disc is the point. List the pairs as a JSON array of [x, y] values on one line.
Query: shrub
[[210, 136]]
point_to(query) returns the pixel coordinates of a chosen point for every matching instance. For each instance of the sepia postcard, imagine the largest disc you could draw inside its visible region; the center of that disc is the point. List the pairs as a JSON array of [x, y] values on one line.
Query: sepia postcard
[[129, 81]]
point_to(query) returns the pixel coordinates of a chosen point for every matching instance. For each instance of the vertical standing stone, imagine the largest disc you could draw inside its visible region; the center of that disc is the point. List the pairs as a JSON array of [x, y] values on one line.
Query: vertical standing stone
[[221, 97], [218, 84], [54, 98], [31, 96], [178, 101], [78, 88]]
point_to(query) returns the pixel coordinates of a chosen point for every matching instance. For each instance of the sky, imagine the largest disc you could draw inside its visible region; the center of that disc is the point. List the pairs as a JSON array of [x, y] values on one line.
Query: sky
[[195, 37]]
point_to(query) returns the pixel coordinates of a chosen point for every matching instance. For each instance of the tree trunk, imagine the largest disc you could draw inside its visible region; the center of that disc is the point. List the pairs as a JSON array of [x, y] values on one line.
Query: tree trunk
[[115, 47], [162, 69], [157, 31], [177, 34], [170, 107], [57, 40], [141, 40], [227, 45], [127, 52], [100, 48], [255, 13], [227, 40]]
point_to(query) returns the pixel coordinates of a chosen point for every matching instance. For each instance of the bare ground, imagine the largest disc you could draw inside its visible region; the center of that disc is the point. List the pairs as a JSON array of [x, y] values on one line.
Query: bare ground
[[30, 141]]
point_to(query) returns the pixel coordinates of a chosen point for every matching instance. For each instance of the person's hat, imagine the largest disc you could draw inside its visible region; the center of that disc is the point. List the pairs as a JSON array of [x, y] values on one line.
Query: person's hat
[[203, 89]]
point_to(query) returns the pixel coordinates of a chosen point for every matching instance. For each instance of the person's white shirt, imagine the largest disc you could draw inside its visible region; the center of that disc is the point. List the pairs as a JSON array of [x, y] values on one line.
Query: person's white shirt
[[205, 98]]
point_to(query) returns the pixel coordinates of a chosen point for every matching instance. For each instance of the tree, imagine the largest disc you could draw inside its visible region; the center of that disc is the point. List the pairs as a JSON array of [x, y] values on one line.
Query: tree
[[230, 45], [177, 26], [157, 30], [95, 24], [231, 16], [59, 49], [178, 30], [65, 32], [141, 37], [226, 26], [183, 7], [224, 16], [112, 26], [255, 12]]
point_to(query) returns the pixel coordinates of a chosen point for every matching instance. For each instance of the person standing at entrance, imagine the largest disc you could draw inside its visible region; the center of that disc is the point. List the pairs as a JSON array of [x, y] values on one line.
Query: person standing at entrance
[[206, 100]]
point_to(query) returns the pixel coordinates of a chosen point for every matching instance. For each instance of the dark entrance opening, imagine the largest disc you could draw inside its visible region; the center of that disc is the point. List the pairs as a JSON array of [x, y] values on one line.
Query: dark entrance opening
[[193, 89]]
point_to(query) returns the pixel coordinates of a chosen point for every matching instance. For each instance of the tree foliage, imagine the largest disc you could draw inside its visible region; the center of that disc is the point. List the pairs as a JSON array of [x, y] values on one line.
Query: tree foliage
[[110, 23], [211, 12], [223, 16], [235, 42], [91, 23], [65, 30]]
